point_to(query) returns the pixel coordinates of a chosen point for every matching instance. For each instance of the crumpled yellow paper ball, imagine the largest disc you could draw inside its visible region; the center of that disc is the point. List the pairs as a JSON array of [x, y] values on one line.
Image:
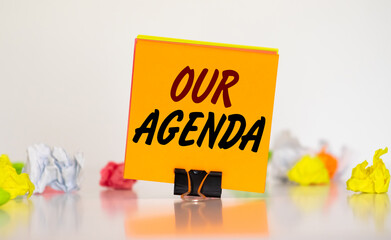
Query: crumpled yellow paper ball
[[374, 179], [309, 170], [5, 161], [12, 182]]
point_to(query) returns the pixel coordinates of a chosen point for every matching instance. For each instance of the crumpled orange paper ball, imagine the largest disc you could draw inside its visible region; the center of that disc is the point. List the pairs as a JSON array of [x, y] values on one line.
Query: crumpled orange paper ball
[[330, 162], [374, 179], [12, 182], [309, 170]]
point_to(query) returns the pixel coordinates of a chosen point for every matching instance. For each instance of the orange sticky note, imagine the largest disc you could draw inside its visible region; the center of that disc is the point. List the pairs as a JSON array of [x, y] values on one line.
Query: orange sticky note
[[204, 106]]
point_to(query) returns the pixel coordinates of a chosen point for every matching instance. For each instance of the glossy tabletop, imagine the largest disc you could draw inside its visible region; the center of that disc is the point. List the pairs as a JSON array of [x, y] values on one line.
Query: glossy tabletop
[[151, 211]]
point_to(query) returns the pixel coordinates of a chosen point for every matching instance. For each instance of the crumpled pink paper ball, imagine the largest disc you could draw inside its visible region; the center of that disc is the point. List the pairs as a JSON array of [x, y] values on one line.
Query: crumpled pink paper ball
[[112, 176]]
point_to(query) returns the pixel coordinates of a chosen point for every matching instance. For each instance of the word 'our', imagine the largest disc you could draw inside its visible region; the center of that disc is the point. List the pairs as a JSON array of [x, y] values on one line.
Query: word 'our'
[[222, 88]]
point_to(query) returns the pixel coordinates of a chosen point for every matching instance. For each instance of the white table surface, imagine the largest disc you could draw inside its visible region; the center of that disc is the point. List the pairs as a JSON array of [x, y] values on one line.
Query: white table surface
[[151, 211]]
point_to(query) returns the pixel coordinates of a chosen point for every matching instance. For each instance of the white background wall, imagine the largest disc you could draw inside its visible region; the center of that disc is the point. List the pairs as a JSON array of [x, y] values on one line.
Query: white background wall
[[65, 67]]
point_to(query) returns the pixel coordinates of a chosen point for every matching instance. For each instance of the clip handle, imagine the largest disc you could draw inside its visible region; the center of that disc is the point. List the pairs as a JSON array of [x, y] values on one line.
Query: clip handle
[[197, 183]]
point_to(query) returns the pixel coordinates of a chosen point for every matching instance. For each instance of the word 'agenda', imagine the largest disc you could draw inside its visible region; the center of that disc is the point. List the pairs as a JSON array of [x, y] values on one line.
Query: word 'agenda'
[[226, 141]]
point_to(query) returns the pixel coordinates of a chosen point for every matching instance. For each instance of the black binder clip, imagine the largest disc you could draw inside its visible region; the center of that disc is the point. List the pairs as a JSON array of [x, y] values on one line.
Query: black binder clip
[[197, 183]]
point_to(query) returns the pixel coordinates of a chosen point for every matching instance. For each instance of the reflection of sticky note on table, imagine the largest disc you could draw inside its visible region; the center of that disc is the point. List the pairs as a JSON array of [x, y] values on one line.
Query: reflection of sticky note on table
[[204, 106], [212, 218]]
